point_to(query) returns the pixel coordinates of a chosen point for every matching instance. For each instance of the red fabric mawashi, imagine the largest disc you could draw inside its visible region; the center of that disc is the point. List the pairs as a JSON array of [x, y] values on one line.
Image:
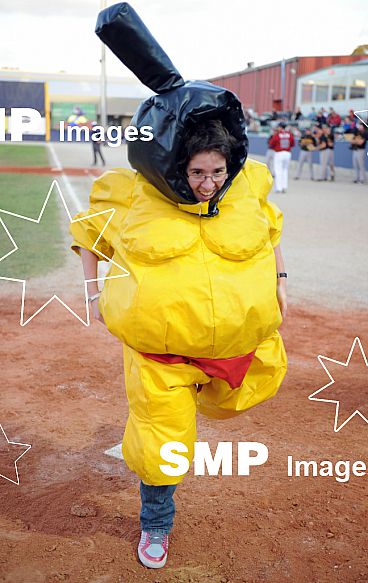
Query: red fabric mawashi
[[231, 370]]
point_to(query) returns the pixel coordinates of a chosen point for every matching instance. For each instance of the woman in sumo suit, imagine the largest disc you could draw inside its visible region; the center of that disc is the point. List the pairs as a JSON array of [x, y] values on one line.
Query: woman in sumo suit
[[198, 314]]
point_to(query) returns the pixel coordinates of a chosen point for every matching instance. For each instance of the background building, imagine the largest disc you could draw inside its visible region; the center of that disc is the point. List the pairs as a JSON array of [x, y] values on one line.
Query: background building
[[274, 86], [342, 87]]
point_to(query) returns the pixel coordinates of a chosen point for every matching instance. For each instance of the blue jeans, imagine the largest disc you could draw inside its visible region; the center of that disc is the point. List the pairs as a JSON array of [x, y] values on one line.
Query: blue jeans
[[158, 508]]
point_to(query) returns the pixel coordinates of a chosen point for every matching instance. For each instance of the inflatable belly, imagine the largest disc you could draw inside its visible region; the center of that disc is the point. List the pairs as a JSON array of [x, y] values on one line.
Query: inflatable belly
[[198, 287]]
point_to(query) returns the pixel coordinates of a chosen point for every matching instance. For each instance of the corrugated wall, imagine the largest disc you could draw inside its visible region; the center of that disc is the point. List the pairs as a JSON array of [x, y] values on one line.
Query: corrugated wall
[[260, 88], [311, 64]]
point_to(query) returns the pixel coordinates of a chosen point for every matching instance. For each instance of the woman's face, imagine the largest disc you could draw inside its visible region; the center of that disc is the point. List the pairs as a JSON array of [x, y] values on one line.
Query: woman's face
[[206, 173]]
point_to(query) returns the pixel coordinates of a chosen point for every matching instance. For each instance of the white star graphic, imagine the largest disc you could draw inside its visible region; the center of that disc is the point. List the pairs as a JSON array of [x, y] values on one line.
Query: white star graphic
[[361, 117], [352, 386], [109, 215], [13, 443]]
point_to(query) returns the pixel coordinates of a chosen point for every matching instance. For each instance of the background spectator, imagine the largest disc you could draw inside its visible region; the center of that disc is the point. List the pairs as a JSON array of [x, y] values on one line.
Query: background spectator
[[358, 145], [96, 144], [321, 120], [297, 115], [312, 115], [349, 125], [333, 119], [307, 144], [326, 147]]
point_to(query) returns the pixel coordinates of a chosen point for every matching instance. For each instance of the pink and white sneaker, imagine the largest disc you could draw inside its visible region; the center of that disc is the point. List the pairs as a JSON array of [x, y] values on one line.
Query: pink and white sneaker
[[152, 549]]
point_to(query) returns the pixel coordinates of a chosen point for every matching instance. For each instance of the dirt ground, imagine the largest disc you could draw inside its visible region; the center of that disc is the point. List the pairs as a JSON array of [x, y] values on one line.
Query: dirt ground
[[74, 516], [51, 171]]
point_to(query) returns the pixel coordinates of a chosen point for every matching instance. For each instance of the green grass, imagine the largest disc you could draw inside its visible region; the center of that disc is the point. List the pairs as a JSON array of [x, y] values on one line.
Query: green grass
[[41, 246], [26, 155]]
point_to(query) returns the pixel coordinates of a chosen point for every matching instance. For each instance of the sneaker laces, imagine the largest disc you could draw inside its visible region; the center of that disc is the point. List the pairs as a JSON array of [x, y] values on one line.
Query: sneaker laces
[[156, 538]]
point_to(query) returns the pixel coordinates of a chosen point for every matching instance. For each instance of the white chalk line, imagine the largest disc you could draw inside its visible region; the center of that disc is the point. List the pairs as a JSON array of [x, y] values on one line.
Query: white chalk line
[[68, 185]]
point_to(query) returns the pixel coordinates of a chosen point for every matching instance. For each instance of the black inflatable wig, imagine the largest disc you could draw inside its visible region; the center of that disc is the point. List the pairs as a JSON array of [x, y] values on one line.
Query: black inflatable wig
[[176, 105]]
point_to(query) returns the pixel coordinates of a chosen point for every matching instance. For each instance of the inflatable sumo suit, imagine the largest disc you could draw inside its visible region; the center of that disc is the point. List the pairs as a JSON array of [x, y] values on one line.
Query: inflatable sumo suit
[[202, 284]]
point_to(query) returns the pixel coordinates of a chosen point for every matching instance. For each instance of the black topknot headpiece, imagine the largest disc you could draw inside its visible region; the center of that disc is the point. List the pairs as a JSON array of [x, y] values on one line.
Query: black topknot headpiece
[[177, 104]]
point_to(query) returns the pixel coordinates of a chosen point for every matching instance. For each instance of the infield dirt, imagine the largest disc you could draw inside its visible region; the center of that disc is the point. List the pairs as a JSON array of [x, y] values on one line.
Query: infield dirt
[[74, 516]]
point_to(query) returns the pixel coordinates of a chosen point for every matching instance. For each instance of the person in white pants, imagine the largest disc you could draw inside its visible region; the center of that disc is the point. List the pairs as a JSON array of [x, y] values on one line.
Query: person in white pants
[[326, 155], [281, 162], [270, 155], [282, 142], [359, 157], [307, 143], [358, 146]]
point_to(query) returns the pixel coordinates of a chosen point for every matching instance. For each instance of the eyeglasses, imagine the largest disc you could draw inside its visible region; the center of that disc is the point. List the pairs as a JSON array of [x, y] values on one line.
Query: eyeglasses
[[198, 177]]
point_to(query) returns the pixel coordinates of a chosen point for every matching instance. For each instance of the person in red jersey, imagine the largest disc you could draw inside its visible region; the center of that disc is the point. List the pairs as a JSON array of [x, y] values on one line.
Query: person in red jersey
[[282, 142]]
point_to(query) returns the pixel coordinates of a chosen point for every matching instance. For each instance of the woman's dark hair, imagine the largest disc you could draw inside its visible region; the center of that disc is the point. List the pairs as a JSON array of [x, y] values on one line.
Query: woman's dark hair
[[206, 136]]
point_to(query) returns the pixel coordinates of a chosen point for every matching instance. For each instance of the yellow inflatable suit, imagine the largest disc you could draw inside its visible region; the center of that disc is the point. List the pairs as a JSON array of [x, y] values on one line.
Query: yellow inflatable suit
[[198, 287]]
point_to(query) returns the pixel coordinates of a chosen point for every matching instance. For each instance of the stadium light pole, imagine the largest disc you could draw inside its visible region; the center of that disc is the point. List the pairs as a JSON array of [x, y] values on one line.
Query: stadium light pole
[[103, 106]]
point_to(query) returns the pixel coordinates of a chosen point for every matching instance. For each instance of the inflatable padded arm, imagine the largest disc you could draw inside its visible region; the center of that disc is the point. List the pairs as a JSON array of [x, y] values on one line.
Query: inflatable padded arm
[[110, 199], [258, 174]]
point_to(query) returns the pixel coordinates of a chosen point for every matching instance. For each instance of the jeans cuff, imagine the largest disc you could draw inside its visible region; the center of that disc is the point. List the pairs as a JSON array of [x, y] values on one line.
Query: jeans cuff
[[157, 530]]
